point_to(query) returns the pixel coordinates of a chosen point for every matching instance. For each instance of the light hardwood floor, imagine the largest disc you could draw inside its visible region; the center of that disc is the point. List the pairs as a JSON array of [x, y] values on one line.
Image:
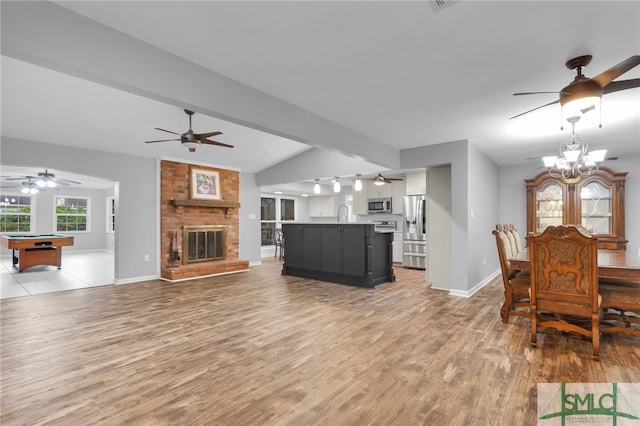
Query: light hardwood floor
[[258, 348]]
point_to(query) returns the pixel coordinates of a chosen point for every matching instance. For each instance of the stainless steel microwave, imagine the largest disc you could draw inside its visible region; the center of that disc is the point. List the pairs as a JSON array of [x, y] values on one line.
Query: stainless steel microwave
[[379, 205]]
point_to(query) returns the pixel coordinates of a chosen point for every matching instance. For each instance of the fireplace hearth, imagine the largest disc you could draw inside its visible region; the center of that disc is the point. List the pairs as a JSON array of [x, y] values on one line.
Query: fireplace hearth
[[203, 243]]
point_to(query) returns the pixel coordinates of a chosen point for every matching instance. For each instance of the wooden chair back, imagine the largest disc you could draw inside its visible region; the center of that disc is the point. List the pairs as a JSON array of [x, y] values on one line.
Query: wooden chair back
[[516, 284], [564, 282]]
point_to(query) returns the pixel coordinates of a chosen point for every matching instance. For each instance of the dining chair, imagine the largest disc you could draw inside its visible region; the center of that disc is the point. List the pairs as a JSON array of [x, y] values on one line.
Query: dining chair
[[517, 241], [620, 306], [279, 243], [516, 283], [564, 283]]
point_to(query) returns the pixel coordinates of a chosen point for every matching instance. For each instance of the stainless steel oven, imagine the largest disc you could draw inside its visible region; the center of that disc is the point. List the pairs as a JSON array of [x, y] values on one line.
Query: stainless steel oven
[[379, 205]]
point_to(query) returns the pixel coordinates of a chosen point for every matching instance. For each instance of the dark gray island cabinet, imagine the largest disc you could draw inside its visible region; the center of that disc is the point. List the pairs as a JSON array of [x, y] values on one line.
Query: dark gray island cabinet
[[345, 253]]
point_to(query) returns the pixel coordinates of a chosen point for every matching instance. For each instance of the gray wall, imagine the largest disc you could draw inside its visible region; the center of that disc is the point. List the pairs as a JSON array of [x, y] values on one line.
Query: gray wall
[[455, 154], [439, 258], [136, 197], [484, 183], [249, 219]]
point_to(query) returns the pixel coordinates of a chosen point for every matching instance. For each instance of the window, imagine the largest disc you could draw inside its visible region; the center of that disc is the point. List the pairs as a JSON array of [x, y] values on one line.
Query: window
[[15, 213], [267, 221], [72, 214], [287, 209], [111, 215], [274, 211]]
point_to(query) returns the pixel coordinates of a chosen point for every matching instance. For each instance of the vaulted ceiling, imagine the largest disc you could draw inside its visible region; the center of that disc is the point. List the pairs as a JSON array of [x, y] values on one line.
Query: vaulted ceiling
[[391, 74]]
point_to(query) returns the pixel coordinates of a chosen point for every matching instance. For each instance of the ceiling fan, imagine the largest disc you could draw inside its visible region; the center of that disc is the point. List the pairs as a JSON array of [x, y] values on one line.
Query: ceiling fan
[[381, 180], [44, 180], [588, 88], [190, 139], [29, 186]]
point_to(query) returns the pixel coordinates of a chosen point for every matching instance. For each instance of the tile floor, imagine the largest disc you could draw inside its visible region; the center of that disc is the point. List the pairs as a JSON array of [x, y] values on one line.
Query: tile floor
[[79, 270]]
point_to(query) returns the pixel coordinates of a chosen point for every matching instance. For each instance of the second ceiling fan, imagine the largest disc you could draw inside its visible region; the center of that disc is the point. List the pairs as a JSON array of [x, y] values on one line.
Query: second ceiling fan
[[190, 139], [381, 180]]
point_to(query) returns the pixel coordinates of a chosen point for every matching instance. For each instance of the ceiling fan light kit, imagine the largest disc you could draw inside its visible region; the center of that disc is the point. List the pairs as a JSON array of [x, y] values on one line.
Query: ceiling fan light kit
[[29, 187]]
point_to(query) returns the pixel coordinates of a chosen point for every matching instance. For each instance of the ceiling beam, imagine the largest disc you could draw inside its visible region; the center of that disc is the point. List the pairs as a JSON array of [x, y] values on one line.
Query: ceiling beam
[[45, 34]]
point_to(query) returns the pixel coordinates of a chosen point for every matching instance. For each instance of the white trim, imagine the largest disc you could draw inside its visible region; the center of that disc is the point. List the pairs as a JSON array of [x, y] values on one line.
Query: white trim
[[204, 276], [475, 288], [135, 280], [111, 203]]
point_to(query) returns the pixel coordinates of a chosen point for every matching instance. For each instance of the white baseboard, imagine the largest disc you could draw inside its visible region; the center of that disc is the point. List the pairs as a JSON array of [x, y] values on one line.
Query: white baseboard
[[476, 288]]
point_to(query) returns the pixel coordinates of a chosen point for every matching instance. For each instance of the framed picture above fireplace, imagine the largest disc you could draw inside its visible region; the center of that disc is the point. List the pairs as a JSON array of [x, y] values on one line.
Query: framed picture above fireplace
[[205, 184]]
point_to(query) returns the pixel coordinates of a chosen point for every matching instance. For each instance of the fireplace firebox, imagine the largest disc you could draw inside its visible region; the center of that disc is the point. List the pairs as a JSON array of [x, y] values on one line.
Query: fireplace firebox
[[203, 243]]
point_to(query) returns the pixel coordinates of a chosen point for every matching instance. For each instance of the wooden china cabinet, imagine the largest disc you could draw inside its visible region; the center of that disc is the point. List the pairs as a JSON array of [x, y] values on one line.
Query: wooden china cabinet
[[596, 202]]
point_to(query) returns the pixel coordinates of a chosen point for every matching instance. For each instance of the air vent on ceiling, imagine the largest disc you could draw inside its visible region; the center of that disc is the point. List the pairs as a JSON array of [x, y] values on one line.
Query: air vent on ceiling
[[441, 4]]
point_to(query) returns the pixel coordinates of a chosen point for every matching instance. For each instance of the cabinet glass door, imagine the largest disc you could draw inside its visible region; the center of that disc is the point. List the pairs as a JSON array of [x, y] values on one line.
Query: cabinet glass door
[[549, 206], [595, 207]]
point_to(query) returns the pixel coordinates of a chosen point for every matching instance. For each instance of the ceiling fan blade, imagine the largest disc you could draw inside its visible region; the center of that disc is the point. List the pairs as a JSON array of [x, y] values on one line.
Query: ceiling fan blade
[[67, 181], [168, 131], [621, 85], [534, 93], [210, 142], [537, 108], [203, 136], [20, 177], [606, 77], [162, 140]]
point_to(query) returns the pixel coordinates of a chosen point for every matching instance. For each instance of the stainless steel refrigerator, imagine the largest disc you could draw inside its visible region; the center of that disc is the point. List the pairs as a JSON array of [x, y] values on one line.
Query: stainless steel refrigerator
[[414, 241]]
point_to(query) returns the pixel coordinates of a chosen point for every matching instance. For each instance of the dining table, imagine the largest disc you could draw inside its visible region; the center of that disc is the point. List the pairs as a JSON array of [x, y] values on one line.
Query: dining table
[[619, 264]]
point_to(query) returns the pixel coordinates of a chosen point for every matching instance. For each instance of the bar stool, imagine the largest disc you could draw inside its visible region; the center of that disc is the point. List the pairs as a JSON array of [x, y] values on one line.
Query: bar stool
[[279, 237]]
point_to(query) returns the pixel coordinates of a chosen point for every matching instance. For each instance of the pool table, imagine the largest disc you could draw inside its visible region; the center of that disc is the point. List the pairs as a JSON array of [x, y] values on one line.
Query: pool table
[[36, 249]]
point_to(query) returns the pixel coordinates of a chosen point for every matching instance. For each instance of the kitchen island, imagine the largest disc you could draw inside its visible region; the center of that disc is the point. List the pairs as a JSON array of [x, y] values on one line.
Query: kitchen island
[[344, 253]]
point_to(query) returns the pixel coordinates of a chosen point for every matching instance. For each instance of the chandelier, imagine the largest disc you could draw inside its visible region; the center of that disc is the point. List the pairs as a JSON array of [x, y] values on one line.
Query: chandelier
[[574, 160]]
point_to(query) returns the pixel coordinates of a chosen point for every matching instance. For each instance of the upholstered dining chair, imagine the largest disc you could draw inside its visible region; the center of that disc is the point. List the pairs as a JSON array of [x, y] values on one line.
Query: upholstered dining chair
[[516, 283], [564, 282]]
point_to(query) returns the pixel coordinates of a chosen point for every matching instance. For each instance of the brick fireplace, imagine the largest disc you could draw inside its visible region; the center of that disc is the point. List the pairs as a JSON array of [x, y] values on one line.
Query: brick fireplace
[[212, 226]]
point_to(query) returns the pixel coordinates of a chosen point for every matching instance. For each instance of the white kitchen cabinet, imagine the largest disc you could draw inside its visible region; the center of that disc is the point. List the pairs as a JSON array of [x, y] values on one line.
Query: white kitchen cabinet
[[360, 205], [323, 206], [379, 191], [398, 192], [397, 247], [416, 183]]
